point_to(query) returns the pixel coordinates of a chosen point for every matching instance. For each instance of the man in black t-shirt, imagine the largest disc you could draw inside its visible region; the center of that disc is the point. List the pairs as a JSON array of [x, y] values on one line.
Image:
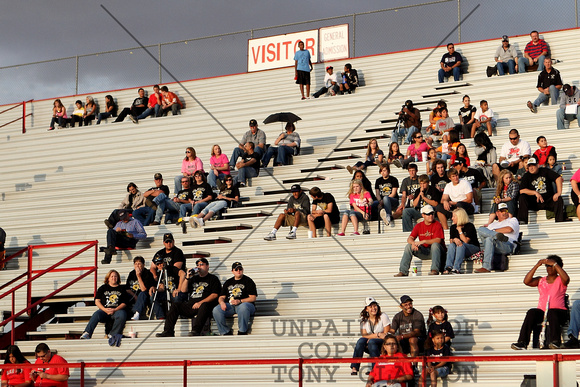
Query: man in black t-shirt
[[146, 213], [409, 326], [408, 187], [537, 192], [171, 255], [472, 176], [139, 282], [386, 188], [171, 281], [549, 85], [249, 166], [294, 215], [137, 107], [173, 206], [237, 297], [201, 196], [324, 212], [427, 194], [203, 289], [450, 64]]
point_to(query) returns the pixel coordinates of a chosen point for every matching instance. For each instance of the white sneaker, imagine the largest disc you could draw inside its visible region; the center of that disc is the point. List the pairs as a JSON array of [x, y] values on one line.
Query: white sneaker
[[135, 316], [384, 216], [270, 237], [194, 222], [85, 336], [200, 221], [291, 235]]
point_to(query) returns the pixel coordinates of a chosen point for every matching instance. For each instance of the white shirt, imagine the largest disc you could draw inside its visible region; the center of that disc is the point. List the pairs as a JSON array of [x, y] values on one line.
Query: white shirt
[[512, 153], [457, 193], [379, 328], [509, 222], [328, 79], [480, 115]]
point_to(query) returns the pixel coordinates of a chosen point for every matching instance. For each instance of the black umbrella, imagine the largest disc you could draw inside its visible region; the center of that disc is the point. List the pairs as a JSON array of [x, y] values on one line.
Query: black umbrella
[[282, 117]]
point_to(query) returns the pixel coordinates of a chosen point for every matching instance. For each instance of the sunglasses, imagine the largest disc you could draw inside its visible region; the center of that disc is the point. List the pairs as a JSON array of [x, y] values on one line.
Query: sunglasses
[[418, 136], [429, 214], [187, 151], [238, 269], [513, 138]]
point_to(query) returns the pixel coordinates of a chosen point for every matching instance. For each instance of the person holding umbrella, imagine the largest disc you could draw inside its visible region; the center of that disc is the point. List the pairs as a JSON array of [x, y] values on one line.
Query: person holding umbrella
[[254, 135], [287, 143]]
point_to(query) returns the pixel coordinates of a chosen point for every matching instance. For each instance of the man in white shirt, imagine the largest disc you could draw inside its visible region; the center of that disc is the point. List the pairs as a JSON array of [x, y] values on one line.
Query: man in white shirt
[[457, 194], [329, 84], [501, 236], [511, 154], [569, 101]]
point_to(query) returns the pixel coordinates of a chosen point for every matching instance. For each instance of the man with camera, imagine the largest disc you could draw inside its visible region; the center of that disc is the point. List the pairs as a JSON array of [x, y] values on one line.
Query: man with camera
[[203, 289], [169, 279], [408, 123]]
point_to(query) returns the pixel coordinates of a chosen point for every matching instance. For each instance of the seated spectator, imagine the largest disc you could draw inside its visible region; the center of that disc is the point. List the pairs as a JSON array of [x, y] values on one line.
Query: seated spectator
[[461, 152], [58, 115], [414, 152], [249, 166], [501, 235], [573, 327], [255, 136], [171, 254], [287, 144], [507, 190], [169, 281], [387, 372], [438, 321], [541, 155], [549, 85], [190, 164], [439, 177], [90, 111], [394, 152], [146, 214], [349, 80], [431, 160], [450, 64], [330, 84], [448, 149], [483, 119], [324, 212], [552, 302], [201, 196], [442, 127], [374, 327], [457, 194], [374, 156], [153, 106], [575, 194], [178, 205], [219, 166], [466, 116], [127, 232], [238, 296], [463, 241], [554, 165], [111, 300], [133, 200], [360, 207], [473, 177], [368, 186], [203, 289], [537, 192], [294, 215], [486, 155], [511, 154], [409, 186], [409, 327], [409, 122], [534, 53], [15, 376], [431, 243], [110, 109], [386, 188], [506, 57], [138, 106], [139, 281], [229, 196], [49, 376], [77, 115], [169, 101], [569, 101], [436, 347], [425, 195], [435, 115]]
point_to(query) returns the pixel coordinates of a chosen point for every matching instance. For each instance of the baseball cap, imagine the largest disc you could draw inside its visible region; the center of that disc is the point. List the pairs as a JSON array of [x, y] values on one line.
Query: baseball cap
[[459, 160], [168, 237], [370, 300], [253, 122], [502, 206], [123, 215], [203, 260], [295, 188], [158, 176], [329, 67], [406, 298], [505, 38], [236, 264], [532, 161], [427, 209], [567, 88]]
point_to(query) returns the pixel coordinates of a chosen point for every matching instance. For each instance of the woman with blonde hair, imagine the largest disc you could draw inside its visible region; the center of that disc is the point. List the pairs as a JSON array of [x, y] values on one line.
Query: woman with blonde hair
[[462, 241], [507, 190], [374, 156], [360, 206]]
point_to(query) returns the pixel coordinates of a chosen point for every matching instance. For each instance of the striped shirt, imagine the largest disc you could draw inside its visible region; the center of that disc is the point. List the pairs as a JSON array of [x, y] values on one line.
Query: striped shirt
[[534, 50]]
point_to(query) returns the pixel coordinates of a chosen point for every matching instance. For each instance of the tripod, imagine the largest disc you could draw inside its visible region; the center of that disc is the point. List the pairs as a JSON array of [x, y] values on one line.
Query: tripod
[[165, 280]]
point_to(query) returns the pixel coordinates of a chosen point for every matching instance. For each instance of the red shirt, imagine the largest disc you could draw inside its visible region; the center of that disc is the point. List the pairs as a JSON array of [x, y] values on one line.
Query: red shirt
[[15, 376], [386, 370], [51, 371], [424, 232]]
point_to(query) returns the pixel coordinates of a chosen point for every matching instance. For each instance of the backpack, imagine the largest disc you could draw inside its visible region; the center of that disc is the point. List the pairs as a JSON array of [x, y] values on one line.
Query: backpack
[[499, 262], [491, 70]]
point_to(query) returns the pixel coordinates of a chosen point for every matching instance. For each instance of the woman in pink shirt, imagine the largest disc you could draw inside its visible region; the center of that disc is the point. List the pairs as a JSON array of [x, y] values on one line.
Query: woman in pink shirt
[[360, 204], [219, 165], [575, 194], [414, 151], [552, 289], [189, 165]]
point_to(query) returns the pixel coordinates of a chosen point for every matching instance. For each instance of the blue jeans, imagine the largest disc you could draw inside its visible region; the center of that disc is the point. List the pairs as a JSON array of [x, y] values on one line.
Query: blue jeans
[[389, 203], [456, 254], [238, 152], [574, 326], [102, 116], [374, 349], [358, 215], [244, 311], [523, 62], [141, 303], [214, 207], [144, 214], [456, 72], [406, 133], [554, 94], [244, 173], [488, 240], [212, 178], [61, 121], [164, 203], [119, 319], [409, 215], [510, 66], [434, 252], [561, 116], [282, 154], [155, 112], [196, 209]]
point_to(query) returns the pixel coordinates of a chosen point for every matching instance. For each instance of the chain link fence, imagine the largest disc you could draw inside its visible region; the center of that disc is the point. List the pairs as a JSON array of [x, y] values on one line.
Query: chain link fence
[[396, 29]]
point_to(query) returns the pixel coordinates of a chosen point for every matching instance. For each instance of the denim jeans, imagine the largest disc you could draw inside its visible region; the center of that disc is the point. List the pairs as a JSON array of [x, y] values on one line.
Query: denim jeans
[[490, 244], [282, 154], [141, 304], [102, 116], [510, 65], [406, 133], [456, 72], [244, 173], [554, 94], [244, 311], [119, 319], [561, 116], [456, 254], [155, 112], [358, 215], [574, 326], [238, 152], [409, 215], [61, 121], [523, 62], [433, 252], [374, 349], [144, 214], [389, 203], [212, 178], [164, 203], [214, 207], [187, 207]]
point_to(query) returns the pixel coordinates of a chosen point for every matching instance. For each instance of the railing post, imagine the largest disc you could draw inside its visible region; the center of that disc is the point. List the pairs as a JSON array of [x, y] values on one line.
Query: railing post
[[424, 371], [82, 374], [185, 373], [12, 338], [23, 117], [556, 369], [96, 269], [300, 373], [29, 285]]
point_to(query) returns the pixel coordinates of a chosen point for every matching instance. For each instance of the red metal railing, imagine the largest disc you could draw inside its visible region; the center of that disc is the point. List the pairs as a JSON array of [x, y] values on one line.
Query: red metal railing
[[35, 274], [300, 362], [24, 115]]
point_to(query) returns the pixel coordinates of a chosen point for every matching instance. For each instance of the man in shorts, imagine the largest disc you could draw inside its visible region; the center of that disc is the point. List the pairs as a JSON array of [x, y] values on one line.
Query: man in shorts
[[294, 215], [302, 69]]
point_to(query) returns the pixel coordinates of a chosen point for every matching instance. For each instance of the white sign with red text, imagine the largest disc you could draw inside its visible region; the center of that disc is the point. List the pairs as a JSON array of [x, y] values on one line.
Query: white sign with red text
[[333, 43], [278, 51]]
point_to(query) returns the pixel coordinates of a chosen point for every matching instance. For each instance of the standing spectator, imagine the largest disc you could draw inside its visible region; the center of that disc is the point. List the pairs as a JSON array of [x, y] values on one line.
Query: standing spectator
[[219, 166], [111, 300], [249, 166], [507, 190], [294, 215], [15, 376], [330, 83], [287, 144], [414, 151], [466, 116], [506, 57], [138, 106], [349, 80], [110, 109], [49, 376], [190, 164], [153, 106], [200, 196], [238, 296], [374, 156], [302, 69], [409, 326], [77, 115], [537, 192], [387, 372], [255, 136], [127, 232], [483, 119], [450, 64], [408, 123], [512, 153], [569, 101], [549, 85], [203, 289], [545, 151], [386, 188], [324, 212], [462, 241], [360, 207], [431, 243], [58, 115], [139, 281], [229, 196], [552, 290], [425, 195], [409, 186], [457, 194], [90, 111], [133, 200], [169, 101], [534, 53], [501, 236]]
